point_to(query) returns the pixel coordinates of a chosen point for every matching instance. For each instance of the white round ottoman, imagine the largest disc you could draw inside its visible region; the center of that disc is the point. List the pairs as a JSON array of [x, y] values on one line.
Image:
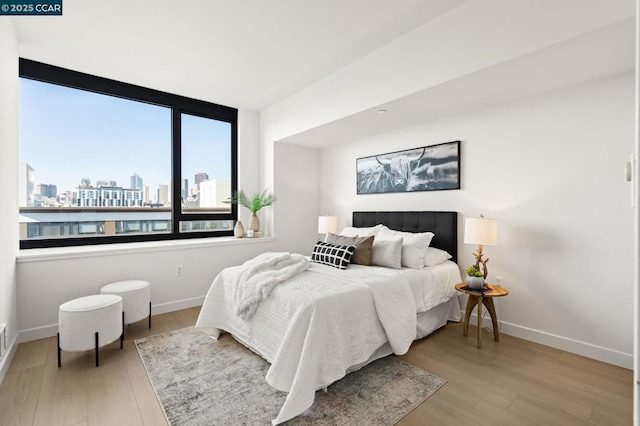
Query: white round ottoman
[[136, 299], [89, 322]]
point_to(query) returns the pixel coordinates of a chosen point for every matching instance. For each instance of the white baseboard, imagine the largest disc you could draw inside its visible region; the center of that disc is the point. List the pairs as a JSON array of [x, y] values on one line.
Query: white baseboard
[[588, 350], [37, 333], [5, 362], [163, 308], [51, 330]]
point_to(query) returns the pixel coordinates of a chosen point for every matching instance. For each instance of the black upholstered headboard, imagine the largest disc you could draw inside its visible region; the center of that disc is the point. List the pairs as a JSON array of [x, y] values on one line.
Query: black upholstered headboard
[[443, 224]]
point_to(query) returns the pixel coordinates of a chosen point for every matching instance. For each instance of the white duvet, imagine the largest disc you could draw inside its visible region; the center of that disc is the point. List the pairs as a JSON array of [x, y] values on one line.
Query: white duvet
[[254, 280], [315, 326]]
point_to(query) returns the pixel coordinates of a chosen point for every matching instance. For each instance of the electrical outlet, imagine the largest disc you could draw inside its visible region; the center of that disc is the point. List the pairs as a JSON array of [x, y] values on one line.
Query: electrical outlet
[[179, 270], [499, 281]]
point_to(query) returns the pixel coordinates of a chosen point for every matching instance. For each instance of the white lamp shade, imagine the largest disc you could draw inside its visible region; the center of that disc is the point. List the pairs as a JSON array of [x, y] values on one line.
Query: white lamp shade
[[327, 224], [481, 231]]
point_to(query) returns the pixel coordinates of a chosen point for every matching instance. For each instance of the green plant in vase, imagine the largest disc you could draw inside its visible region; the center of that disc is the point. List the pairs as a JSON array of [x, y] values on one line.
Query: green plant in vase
[[475, 277], [254, 204]]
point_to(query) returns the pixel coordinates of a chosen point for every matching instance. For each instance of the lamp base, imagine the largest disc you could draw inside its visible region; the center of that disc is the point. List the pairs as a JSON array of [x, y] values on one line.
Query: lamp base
[[479, 260]]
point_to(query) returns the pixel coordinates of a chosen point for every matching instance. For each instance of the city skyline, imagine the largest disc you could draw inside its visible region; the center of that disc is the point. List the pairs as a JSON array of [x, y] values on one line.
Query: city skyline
[[108, 193], [94, 182], [68, 134]]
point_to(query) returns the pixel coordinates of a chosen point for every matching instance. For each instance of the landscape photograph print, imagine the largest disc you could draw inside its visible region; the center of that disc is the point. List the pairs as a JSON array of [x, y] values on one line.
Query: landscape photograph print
[[428, 168]]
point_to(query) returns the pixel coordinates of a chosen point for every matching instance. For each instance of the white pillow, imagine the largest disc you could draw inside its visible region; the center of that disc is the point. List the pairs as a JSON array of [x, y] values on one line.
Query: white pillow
[[351, 231], [435, 256], [389, 234], [414, 245], [387, 253]]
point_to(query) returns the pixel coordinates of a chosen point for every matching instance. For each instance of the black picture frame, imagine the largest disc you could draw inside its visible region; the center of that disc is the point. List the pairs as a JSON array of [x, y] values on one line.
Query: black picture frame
[[427, 168]]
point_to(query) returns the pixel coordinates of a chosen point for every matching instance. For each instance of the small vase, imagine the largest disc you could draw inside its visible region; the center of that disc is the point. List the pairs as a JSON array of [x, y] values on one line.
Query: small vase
[[475, 283], [238, 230], [254, 223]]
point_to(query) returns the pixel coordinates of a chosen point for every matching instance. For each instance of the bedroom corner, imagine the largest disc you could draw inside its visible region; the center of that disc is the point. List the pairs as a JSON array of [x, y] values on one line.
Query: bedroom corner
[[8, 175]]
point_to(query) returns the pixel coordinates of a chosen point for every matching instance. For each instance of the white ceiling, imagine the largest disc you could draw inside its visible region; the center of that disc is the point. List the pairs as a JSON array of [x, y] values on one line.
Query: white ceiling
[[606, 52], [252, 54], [243, 53]]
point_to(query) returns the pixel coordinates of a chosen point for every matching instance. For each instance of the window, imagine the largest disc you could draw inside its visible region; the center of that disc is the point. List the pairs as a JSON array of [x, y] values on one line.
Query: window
[[106, 162]]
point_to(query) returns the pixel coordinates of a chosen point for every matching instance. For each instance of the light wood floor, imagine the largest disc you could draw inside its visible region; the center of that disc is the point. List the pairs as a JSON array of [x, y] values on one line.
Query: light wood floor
[[513, 382]]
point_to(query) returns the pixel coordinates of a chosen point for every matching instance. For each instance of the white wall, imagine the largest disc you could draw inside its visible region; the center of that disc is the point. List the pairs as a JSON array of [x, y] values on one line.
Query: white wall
[[549, 168], [249, 157], [8, 175], [45, 284], [636, 320], [297, 172]]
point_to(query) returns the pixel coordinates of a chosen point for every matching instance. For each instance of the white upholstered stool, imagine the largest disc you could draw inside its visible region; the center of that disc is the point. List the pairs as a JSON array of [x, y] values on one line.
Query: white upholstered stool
[[89, 322], [136, 299]]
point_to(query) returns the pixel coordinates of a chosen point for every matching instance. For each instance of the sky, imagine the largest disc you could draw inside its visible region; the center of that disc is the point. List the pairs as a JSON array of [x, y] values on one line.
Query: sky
[[68, 134]]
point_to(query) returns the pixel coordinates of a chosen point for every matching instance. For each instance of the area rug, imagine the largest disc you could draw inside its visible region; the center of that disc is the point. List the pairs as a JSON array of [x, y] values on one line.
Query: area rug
[[199, 381]]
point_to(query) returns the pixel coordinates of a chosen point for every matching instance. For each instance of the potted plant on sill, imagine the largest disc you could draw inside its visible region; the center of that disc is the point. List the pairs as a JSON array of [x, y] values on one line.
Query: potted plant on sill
[[475, 277], [254, 204]]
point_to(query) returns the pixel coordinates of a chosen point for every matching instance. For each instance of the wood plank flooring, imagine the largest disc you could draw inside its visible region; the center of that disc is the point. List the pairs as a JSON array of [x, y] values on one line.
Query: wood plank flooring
[[513, 382]]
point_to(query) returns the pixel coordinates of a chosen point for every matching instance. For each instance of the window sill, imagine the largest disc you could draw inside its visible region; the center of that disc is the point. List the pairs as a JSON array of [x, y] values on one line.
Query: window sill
[[76, 252]]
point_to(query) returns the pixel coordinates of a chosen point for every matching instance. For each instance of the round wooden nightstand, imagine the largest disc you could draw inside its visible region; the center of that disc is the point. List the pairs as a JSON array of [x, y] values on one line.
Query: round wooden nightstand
[[479, 298]]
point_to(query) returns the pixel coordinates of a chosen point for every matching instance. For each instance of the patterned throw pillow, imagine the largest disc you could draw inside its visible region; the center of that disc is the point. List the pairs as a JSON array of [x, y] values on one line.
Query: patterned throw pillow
[[332, 255]]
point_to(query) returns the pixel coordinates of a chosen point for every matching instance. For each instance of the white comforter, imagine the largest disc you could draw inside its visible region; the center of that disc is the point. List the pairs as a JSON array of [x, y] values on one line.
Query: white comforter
[[320, 312], [253, 281]]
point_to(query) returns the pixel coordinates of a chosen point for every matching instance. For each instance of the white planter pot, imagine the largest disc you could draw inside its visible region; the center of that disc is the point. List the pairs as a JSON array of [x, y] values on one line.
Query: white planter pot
[[475, 283]]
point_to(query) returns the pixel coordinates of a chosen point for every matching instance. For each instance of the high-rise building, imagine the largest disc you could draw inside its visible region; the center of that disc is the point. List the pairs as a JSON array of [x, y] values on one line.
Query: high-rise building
[[200, 177], [145, 194], [214, 193], [85, 183], [26, 185], [45, 190], [136, 182], [163, 194]]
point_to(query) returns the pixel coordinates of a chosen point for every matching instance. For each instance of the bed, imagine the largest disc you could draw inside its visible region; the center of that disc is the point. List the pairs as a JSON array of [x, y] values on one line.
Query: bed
[[325, 322]]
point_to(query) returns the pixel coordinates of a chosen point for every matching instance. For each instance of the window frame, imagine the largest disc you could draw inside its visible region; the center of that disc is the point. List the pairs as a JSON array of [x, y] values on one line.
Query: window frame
[[178, 105]]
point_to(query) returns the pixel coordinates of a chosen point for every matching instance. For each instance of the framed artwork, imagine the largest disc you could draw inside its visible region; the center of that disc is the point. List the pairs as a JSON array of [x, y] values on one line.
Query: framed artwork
[[428, 168]]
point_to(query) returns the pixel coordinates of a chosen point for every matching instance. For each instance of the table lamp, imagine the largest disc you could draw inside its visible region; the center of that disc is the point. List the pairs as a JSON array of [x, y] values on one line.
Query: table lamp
[[327, 224], [483, 232]]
